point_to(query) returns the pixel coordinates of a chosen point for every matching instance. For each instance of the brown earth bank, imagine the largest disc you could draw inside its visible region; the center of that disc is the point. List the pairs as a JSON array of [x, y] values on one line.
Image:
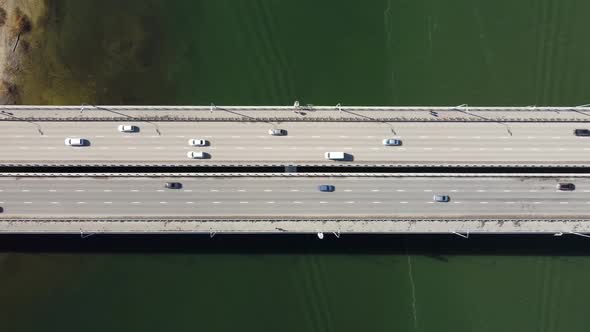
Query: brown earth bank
[[20, 22]]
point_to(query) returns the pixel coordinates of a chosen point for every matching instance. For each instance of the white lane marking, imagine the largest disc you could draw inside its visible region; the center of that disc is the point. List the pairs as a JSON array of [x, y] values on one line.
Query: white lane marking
[[530, 137], [343, 136], [160, 190], [315, 136], [374, 148], [189, 202], [19, 136], [375, 190], [134, 190], [25, 190], [427, 148], [180, 136], [294, 190], [296, 202], [451, 137], [51, 148], [535, 149], [455, 149], [107, 190], [457, 202], [80, 190], [481, 191], [27, 202], [483, 202], [507, 149], [241, 190], [135, 202], [376, 202], [80, 202], [507, 190], [427, 190], [504, 137], [348, 190], [214, 190], [477, 137], [403, 202], [508, 202], [159, 148], [370, 136], [563, 202], [350, 202], [453, 190], [103, 148], [243, 202], [267, 190], [561, 149], [347, 148], [401, 190], [100, 136], [322, 202], [270, 202], [216, 202], [555, 137], [23, 147], [235, 136], [587, 191], [536, 202], [586, 149], [429, 202], [107, 202], [267, 148], [163, 202], [482, 149], [54, 202], [131, 148], [240, 148], [532, 191], [423, 136], [187, 190]]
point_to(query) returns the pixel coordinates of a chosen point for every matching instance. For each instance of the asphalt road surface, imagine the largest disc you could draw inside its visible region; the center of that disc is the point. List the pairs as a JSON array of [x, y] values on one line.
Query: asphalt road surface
[[354, 196], [235, 142]]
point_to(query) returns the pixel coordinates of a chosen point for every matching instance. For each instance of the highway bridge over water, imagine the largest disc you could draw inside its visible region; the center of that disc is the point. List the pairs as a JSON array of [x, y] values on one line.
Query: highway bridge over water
[[447, 137]]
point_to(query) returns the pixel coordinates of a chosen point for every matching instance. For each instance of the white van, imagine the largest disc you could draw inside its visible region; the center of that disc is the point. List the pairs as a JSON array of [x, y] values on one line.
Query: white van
[[196, 155], [334, 155]]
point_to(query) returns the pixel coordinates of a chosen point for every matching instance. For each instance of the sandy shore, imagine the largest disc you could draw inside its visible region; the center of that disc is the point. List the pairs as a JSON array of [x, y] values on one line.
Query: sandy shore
[[19, 20]]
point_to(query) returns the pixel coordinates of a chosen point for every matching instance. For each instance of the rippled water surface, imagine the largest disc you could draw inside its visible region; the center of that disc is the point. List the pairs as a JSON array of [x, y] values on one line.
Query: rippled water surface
[[528, 52]]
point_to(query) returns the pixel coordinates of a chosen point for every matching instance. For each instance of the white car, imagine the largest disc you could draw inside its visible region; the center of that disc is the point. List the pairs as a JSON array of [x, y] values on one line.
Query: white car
[[128, 128], [197, 142], [196, 155], [335, 155], [74, 141]]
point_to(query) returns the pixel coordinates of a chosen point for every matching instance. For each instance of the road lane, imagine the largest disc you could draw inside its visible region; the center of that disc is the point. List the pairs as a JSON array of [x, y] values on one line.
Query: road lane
[[424, 143], [200, 197]]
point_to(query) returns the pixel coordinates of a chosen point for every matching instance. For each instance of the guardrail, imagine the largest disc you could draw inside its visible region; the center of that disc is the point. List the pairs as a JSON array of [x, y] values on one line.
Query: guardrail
[[298, 175]]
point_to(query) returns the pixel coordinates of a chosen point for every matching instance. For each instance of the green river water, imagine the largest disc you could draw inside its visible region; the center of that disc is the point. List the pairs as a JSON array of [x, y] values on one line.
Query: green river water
[[273, 52]]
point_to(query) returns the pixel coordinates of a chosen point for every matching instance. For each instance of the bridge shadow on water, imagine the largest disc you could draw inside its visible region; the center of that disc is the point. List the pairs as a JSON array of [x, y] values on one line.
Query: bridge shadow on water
[[435, 246]]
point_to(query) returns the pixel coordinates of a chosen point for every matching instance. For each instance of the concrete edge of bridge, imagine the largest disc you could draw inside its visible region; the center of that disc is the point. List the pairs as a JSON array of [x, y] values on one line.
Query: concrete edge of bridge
[[297, 175]]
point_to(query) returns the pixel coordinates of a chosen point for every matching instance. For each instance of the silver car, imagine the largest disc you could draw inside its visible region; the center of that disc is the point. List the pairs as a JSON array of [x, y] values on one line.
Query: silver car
[[277, 132], [392, 142], [441, 198]]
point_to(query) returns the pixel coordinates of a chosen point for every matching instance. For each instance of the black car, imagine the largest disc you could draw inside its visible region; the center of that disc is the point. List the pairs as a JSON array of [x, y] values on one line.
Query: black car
[[566, 186], [582, 132], [173, 185], [327, 188]]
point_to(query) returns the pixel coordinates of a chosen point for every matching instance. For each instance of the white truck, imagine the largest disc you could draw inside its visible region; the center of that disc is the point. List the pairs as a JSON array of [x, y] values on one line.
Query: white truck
[[334, 155]]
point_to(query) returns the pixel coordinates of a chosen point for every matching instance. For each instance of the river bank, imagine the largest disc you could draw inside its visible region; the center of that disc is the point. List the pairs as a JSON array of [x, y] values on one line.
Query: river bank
[[19, 32]]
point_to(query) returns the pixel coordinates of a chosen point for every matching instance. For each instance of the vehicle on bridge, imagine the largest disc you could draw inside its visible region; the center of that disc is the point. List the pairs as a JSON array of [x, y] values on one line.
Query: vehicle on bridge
[[277, 132], [566, 186], [197, 155], [76, 141], [392, 142], [197, 142], [326, 188], [128, 128], [582, 132], [335, 155], [173, 185], [441, 198]]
